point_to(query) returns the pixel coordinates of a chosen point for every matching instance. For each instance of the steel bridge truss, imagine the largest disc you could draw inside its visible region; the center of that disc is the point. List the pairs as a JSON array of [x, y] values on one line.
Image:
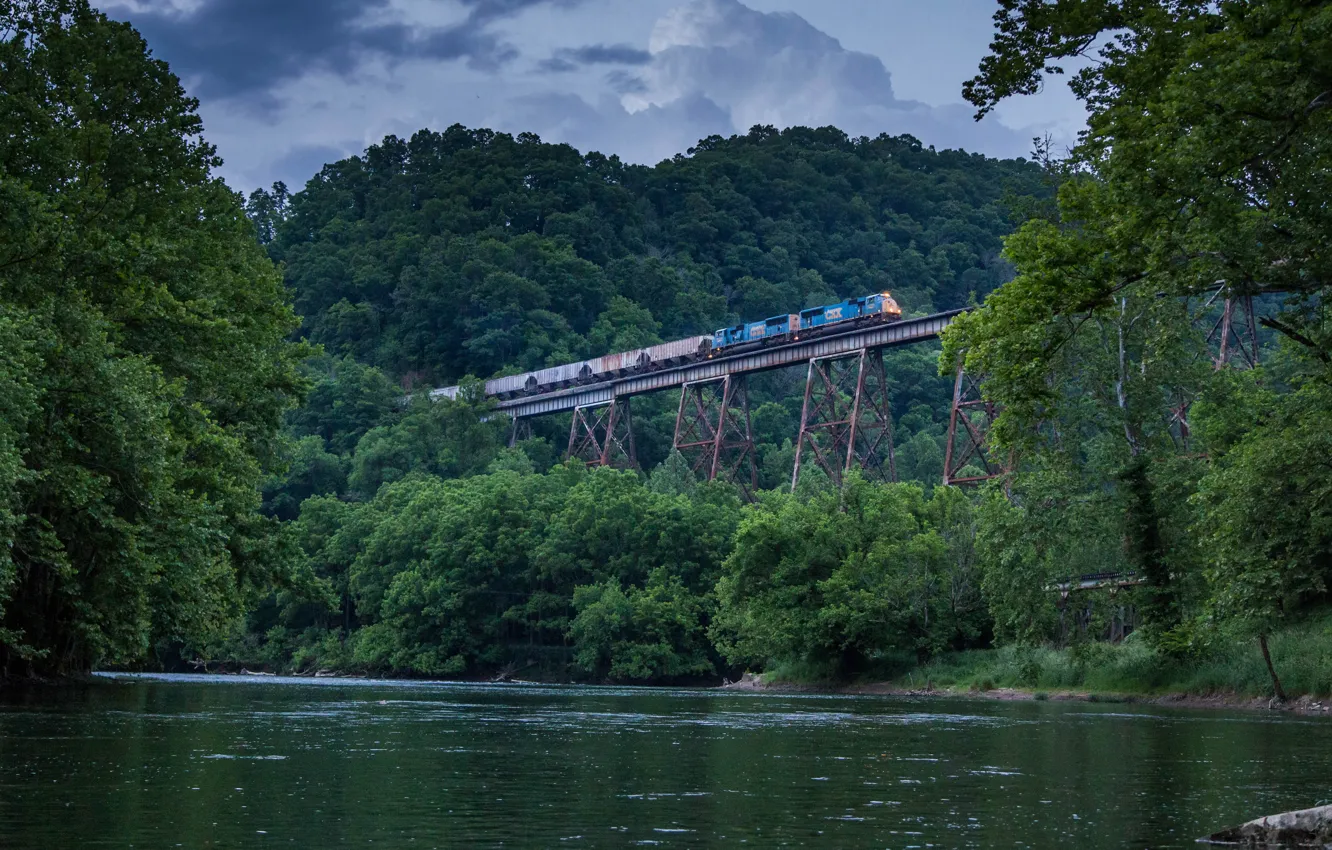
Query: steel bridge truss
[[1235, 334], [846, 420], [713, 432], [603, 434], [969, 424], [520, 429], [1232, 339]]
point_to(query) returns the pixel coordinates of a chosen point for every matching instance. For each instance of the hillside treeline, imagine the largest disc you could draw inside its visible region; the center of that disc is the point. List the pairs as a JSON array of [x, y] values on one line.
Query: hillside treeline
[[470, 252]]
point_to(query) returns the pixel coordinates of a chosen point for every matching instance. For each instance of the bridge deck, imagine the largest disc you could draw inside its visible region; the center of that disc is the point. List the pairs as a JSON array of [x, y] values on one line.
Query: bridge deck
[[776, 357]]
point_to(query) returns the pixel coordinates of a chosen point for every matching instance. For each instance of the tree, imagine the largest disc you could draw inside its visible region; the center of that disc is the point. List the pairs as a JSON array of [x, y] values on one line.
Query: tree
[[311, 472], [1174, 196], [346, 400], [447, 437], [1266, 515], [653, 633], [147, 367], [841, 578]]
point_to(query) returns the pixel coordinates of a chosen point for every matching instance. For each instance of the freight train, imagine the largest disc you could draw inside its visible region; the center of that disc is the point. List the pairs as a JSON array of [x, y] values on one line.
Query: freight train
[[815, 321]]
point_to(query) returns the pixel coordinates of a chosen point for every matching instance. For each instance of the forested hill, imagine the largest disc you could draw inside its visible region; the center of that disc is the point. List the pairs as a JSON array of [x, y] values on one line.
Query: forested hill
[[475, 252], [431, 549]]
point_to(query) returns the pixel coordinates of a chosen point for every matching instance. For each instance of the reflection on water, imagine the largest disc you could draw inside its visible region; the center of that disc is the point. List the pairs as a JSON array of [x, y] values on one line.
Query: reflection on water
[[190, 761]]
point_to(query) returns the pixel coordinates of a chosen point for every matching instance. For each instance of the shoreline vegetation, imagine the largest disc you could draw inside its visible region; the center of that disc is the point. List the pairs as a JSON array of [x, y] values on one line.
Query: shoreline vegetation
[[1230, 677]]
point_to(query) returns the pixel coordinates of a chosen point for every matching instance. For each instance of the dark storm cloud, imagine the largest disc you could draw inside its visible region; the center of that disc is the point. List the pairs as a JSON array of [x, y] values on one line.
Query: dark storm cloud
[[573, 58], [244, 48], [623, 82], [306, 160]]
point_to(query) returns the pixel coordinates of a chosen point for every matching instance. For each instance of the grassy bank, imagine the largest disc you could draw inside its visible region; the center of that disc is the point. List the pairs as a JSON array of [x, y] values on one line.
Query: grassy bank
[[1302, 654]]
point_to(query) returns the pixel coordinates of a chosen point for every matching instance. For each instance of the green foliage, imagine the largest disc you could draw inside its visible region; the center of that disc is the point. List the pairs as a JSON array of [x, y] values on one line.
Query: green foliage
[[346, 400], [836, 578], [451, 438], [653, 633], [145, 372], [1302, 648], [311, 471], [1265, 516], [508, 569], [1173, 201]]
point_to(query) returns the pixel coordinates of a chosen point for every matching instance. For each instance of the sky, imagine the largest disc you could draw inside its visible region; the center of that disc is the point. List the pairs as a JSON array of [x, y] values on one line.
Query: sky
[[286, 86]]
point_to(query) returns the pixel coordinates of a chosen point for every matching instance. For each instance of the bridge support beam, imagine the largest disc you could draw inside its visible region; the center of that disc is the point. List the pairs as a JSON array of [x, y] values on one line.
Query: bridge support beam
[[969, 424], [1235, 334], [1232, 340], [846, 420], [603, 434], [519, 429], [713, 433]]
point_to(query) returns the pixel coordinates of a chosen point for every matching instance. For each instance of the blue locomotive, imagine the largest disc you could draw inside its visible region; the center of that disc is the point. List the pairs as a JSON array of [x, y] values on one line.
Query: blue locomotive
[[792, 324]]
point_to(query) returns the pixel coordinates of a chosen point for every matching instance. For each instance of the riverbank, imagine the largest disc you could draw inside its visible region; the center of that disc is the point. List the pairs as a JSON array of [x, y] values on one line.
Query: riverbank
[[1230, 674], [1304, 705]]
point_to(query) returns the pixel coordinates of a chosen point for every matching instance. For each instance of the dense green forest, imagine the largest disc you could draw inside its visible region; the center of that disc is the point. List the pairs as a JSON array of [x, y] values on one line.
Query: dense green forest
[[146, 363], [198, 466], [472, 253]]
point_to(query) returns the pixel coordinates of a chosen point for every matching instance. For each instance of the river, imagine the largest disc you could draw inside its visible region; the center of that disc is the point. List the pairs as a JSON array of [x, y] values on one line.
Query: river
[[185, 761]]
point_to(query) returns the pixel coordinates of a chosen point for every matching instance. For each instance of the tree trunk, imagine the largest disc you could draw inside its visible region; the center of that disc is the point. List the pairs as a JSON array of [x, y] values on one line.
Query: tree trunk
[[1271, 671]]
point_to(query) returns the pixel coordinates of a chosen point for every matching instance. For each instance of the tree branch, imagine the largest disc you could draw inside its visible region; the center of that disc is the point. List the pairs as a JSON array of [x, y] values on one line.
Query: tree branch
[[1291, 333]]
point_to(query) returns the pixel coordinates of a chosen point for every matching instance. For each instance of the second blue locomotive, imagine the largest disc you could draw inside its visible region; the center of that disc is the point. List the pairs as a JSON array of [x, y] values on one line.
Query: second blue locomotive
[[791, 324]]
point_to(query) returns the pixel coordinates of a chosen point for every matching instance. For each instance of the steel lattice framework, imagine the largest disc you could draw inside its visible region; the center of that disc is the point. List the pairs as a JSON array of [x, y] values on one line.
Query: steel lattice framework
[[1235, 334], [519, 430], [1232, 339], [603, 435], [712, 424], [846, 421], [713, 432], [777, 356], [969, 424]]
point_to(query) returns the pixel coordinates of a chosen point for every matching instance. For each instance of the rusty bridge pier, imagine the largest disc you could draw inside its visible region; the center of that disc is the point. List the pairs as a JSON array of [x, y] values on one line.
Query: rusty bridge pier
[[1232, 341], [1235, 334], [846, 420], [969, 423], [713, 432], [603, 434]]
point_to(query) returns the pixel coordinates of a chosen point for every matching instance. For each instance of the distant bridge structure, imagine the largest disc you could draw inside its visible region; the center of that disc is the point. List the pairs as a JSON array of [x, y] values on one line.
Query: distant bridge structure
[[845, 420]]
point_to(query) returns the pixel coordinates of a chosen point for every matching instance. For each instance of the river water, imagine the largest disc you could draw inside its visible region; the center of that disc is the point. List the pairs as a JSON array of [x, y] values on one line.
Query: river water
[[182, 761]]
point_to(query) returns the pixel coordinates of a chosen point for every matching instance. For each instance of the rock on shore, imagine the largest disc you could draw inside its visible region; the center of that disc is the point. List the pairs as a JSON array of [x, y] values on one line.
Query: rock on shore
[[1304, 828]]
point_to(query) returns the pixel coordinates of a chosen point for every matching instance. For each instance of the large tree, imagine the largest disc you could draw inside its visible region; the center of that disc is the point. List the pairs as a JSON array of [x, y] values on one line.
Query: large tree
[[1203, 174], [145, 367]]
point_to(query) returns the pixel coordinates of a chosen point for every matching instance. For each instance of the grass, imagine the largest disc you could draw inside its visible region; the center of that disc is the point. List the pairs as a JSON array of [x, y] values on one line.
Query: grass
[[1302, 654]]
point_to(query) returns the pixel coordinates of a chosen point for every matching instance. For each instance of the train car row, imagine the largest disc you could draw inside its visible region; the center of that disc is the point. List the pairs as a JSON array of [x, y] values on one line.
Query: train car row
[[597, 369], [877, 306]]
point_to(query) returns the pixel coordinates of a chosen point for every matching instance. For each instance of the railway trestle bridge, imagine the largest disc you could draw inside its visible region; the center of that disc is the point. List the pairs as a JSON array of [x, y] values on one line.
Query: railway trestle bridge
[[845, 422]]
